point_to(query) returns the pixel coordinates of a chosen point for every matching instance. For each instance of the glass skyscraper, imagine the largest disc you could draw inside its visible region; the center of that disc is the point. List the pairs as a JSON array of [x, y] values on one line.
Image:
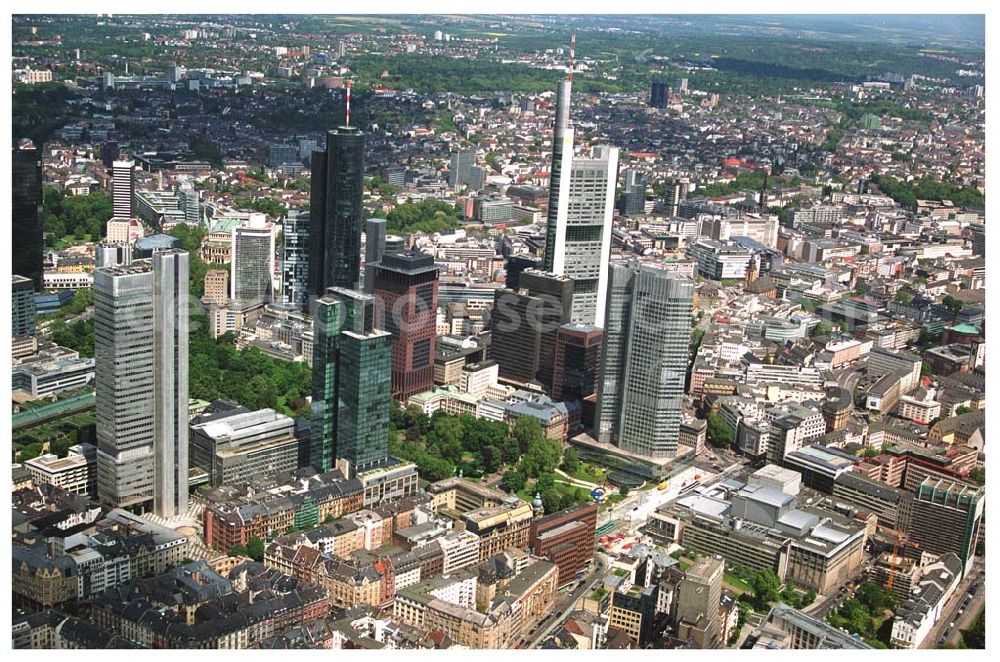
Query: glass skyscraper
[[252, 260], [581, 209], [295, 260], [335, 211], [141, 360], [645, 358], [170, 391], [26, 212], [351, 377], [22, 307]]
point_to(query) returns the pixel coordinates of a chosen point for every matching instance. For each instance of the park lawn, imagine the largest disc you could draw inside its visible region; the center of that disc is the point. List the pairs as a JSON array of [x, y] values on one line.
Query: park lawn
[[736, 582], [585, 472]]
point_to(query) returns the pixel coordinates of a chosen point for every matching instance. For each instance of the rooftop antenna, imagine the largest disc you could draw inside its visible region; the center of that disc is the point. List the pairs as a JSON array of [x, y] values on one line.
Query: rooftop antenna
[[348, 84], [572, 56]]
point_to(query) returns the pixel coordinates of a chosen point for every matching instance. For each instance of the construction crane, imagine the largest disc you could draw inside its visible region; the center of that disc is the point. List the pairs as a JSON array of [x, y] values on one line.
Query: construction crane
[[893, 562]]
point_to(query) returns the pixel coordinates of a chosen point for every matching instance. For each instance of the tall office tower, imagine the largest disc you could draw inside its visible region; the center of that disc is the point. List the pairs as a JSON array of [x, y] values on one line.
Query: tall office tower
[[406, 289], [335, 211], [461, 164], [583, 238], [252, 260], [659, 94], [946, 518], [682, 85], [698, 596], [352, 363], [645, 358], [22, 307], [577, 361], [523, 325], [374, 247], [295, 260], [581, 208], [634, 197], [26, 213], [124, 379], [109, 153], [122, 188], [170, 391], [676, 190], [562, 162], [140, 351]]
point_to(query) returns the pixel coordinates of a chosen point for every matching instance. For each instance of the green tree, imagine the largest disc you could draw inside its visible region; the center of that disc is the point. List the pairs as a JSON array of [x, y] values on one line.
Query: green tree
[[952, 303], [541, 457], [546, 481], [623, 490], [975, 636], [255, 549], [874, 597], [571, 461], [766, 587], [978, 475], [569, 500], [31, 451], [551, 501], [719, 432], [238, 550], [820, 329], [526, 431], [513, 480]]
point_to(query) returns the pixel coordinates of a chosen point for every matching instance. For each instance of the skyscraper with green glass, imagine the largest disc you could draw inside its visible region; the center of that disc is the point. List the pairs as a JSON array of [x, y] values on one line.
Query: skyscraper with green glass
[[351, 377]]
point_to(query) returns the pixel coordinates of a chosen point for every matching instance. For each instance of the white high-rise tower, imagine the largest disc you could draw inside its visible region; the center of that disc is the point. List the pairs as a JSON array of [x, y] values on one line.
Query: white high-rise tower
[[581, 209]]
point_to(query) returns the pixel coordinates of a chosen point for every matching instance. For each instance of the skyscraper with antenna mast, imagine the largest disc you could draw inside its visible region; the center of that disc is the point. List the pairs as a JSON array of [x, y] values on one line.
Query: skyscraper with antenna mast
[[335, 208], [562, 161], [581, 208]]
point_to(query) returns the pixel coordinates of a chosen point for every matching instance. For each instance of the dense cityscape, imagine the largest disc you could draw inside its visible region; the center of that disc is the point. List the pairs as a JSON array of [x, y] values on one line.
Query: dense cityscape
[[498, 332]]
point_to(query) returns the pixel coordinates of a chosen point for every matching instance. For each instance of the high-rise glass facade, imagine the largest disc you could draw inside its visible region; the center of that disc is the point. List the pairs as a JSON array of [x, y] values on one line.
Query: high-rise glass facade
[[585, 233], [351, 376], [645, 358], [170, 391], [295, 260], [122, 188], [22, 307], [250, 269], [581, 209], [335, 211], [124, 381], [141, 378], [26, 212]]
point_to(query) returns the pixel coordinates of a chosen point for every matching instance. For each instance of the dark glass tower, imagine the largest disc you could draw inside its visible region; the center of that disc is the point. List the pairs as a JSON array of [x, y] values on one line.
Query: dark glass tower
[[351, 377], [335, 211], [26, 212]]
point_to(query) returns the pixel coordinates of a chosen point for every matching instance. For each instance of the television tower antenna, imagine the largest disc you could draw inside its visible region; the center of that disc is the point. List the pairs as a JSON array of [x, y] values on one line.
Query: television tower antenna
[[348, 110], [572, 56]]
